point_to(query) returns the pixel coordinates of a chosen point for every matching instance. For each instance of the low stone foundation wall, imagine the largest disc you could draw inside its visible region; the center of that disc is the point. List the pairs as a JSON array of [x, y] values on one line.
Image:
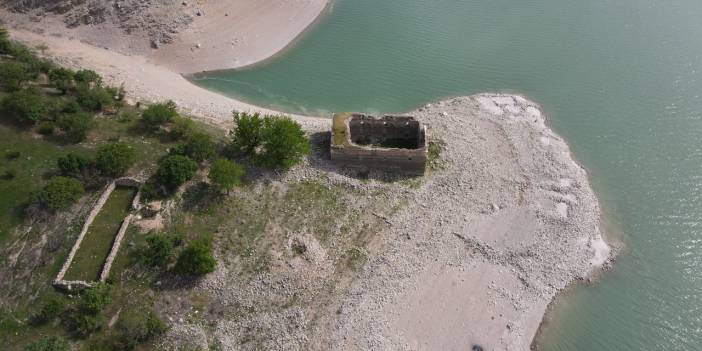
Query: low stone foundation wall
[[71, 285]]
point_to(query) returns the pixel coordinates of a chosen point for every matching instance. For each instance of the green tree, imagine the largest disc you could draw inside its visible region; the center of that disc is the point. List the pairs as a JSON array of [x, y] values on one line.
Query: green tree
[[196, 259], [48, 343], [93, 98], [61, 78], [226, 174], [247, 135], [83, 324], [175, 170], [114, 159], [13, 74], [284, 143], [137, 325], [157, 115], [182, 128], [88, 77], [49, 311], [76, 126], [73, 165], [198, 146], [23, 106], [158, 250], [6, 45], [60, 192], [95, 299]]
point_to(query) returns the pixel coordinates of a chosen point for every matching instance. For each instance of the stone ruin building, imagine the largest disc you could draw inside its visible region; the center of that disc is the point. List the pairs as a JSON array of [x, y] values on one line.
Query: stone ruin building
[[391, 143]]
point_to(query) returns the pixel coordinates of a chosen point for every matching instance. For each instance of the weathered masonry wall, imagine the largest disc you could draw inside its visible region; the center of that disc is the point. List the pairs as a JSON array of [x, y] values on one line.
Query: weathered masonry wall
[[391, 143], [69, 285]]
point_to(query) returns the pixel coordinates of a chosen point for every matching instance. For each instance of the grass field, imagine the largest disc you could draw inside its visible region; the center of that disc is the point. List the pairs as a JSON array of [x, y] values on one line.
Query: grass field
[[88, 261]]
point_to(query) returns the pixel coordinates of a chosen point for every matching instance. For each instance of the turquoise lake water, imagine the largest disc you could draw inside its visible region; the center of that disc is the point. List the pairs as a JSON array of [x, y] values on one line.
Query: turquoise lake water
[[620, 80]]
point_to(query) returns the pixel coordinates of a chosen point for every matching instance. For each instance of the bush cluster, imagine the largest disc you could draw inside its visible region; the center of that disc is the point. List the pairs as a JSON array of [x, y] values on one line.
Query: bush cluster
[[49, 343], [86, 318], [137, 325], [114, 159], [226, 174], [157, 115], [60, 192], [158, 251], [196, 259], [273, 141], [175, 170]]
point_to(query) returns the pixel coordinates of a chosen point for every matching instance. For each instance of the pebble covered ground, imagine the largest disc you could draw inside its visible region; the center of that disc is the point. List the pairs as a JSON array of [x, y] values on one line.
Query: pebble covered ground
[[473, 256]]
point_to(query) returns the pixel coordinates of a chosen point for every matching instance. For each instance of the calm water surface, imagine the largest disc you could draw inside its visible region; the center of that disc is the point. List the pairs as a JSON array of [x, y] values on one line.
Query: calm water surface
[[620, 79]]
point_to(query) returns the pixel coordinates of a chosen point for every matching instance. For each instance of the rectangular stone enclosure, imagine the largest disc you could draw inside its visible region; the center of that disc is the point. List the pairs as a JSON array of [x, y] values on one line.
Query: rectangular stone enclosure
[[391, 143]]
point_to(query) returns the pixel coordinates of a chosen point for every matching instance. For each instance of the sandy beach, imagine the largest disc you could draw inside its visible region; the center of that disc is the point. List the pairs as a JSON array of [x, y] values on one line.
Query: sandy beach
[[473, 259], [233, 34]]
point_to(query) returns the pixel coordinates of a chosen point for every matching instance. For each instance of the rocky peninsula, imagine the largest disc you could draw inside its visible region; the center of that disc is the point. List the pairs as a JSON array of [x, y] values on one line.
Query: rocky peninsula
[[471, 257]]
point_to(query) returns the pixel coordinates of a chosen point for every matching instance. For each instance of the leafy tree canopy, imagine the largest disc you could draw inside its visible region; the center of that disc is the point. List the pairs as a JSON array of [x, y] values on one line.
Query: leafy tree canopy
[[175, 170], [114, 159], [196, 259], [226, 174], [60, 192]]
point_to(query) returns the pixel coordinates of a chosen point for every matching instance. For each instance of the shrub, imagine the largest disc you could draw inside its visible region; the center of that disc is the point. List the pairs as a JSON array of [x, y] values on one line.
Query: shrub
[[136, 326], [48, 343], [117, 93], [46, 128], [5, 43], [196, 259], [114, 159], [12, 75], [126, 116], [284, 143], [198, 146], [60, 192], [76, 126], [88, 77], [157, 115], [73, 165], [93, 98], [226, 174], [83, 324], [182, 128], [158, 250], [49, 311], [61, 78], [175, 170], [95, 299], [248, 133], [23, 106]]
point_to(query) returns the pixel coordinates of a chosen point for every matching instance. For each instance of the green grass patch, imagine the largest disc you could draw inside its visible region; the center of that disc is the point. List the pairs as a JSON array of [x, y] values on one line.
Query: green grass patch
[[30, 158], [97, 243]]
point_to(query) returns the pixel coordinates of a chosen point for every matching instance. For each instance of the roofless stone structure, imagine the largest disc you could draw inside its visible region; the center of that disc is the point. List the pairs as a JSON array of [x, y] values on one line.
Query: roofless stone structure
[[391, 143]]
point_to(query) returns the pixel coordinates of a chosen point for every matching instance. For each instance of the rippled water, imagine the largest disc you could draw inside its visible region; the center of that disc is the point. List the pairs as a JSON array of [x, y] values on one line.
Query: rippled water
[[621, 81]]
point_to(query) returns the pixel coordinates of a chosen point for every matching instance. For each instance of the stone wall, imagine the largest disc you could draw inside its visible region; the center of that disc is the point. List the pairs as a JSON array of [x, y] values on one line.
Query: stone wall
[[392, 143], [59, 282]]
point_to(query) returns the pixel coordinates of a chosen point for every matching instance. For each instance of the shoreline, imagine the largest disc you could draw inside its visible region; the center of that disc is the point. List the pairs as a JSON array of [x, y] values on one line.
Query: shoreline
[[147, 81], [263, 30]]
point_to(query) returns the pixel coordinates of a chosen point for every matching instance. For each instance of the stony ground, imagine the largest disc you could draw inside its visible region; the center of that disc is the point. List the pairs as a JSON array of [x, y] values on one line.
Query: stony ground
[[471, 255]]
